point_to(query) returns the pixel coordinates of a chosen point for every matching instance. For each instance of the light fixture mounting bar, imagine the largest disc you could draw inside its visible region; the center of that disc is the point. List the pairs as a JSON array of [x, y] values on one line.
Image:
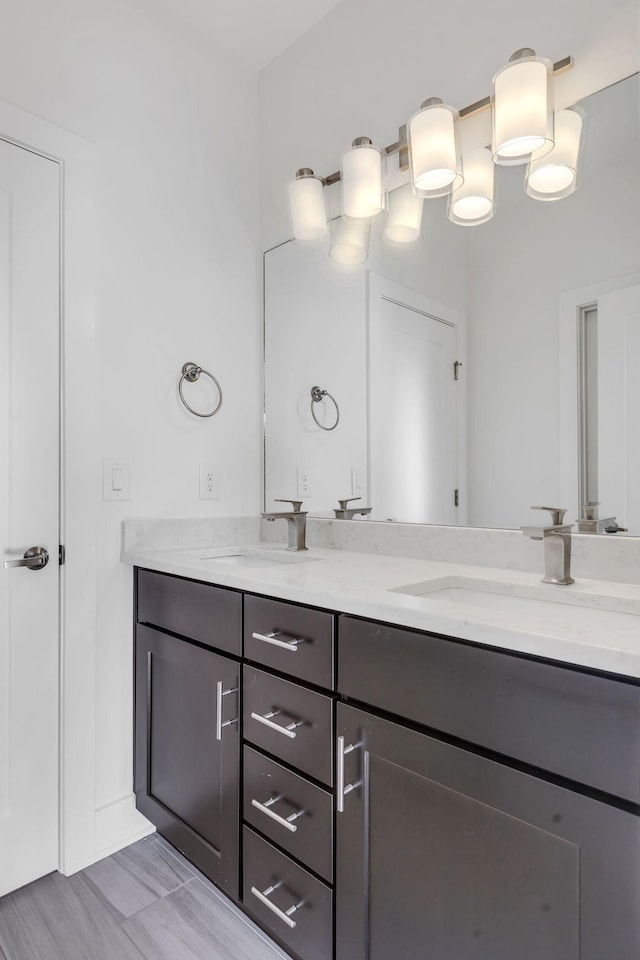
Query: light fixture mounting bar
[[401, 147]]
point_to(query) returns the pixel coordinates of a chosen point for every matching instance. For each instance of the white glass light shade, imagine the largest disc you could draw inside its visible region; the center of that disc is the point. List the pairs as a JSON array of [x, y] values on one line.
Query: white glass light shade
[[522, 110], [306, 200], [350, 242], [474, 202], [433, 153], [362, 180], [405, 216], [554, 175]]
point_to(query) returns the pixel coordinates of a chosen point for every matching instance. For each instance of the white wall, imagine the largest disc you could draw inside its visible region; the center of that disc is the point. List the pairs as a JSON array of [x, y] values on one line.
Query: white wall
[[177, 279]]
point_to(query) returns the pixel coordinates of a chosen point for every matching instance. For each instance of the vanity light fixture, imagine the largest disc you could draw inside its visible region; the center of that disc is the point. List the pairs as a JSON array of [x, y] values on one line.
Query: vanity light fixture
[[522, 132], [362, 180], [404, 219], [474, 202], [554, 175], [434, 161], [522, 108], [306, 201], [350, 242]]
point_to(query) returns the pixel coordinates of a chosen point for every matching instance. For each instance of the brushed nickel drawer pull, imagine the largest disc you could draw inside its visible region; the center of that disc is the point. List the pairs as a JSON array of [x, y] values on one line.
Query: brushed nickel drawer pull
[[266, 719], [285, 916], [272, 638], [286, 822], [220, 693]]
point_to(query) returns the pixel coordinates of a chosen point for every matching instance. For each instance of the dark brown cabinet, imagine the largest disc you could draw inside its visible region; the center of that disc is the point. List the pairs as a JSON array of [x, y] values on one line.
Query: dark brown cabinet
[[445, 854], [288, 774], [450, 801], [502, 823], [187, 756]]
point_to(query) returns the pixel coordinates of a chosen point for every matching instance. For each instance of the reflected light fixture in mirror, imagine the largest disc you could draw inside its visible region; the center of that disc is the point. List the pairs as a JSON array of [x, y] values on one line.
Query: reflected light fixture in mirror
[[404, 219], [554, 175], [362, 180], [522, 108], [434, 161], [306, 202], [350, 242], [474, 202]]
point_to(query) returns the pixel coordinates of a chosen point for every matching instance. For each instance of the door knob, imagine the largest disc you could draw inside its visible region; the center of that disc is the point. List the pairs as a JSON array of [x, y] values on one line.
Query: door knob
[[35, 558]]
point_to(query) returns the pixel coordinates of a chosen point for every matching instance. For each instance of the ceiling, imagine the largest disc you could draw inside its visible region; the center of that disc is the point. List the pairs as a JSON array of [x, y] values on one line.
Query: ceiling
[[254, 31]]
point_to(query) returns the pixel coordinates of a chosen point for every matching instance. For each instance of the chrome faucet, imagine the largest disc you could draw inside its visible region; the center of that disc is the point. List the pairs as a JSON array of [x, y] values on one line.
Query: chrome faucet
[[349, 513], [296, 523], [557, 546]]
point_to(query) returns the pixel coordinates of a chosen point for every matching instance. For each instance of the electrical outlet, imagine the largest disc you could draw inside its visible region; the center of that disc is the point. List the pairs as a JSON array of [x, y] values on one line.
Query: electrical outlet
[[357, 481], [304, 482], [209, 482]]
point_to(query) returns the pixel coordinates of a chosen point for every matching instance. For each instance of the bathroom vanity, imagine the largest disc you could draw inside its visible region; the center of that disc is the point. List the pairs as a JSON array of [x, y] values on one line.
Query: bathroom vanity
[[364, 788]]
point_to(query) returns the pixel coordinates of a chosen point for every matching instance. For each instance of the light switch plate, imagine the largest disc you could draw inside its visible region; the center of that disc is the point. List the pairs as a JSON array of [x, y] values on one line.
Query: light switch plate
[[116, 480]]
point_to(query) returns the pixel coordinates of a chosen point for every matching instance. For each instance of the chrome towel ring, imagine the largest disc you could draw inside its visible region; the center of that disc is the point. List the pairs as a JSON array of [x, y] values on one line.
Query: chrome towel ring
[[191, 372], [317, 395]]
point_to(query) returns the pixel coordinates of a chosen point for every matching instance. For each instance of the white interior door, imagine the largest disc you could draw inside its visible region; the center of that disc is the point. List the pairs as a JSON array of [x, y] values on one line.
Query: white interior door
[[619, 406], [29, 514], [412, 410]]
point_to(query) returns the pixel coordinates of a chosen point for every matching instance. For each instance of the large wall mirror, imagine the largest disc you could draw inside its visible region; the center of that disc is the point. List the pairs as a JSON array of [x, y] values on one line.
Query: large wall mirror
[[478, 371]]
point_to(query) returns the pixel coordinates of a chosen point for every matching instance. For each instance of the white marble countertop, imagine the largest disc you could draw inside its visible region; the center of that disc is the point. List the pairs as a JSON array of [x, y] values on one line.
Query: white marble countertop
[[363, 583]]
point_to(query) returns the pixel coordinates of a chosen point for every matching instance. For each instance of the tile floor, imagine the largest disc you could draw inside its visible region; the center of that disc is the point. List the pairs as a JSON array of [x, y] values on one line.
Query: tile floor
[[143, 903]]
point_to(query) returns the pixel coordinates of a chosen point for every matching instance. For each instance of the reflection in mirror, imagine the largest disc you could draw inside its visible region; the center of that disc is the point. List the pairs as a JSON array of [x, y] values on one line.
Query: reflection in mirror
[[479, 370]]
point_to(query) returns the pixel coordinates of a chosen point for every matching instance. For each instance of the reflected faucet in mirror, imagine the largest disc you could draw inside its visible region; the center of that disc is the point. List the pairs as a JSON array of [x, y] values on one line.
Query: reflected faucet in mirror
[[590, 522], [556, 538], [348, 513], [296, 523]]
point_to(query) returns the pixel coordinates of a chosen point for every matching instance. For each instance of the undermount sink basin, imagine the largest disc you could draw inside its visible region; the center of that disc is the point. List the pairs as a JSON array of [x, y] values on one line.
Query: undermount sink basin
[[253, 557], [565, 606]]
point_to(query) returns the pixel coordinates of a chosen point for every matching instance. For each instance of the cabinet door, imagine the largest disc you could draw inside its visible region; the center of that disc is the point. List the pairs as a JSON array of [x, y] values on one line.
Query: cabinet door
[[445, 854], [187, 758]]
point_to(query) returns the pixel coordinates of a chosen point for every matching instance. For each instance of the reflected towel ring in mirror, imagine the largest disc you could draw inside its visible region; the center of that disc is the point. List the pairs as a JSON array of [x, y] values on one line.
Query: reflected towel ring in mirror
[[191, 372], [317, 395]]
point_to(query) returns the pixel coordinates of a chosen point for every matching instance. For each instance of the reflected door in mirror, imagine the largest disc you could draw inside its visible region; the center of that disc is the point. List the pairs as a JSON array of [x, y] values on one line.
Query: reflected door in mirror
[[412, 405]]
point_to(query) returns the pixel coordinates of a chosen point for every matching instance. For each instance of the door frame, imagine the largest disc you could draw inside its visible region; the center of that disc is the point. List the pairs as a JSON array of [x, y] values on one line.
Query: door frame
[[569, 306], [78, 472]]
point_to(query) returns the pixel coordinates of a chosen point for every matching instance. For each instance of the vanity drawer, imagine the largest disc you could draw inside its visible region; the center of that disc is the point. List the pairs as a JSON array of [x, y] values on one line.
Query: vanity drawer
[[198, 611], [308, 931], [281, 704], [308, 837], [310, 659], [573, 724]]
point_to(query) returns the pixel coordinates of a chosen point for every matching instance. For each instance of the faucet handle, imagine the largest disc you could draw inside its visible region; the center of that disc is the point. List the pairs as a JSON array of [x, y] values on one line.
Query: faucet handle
[[296, 504], [343, 503], [557, 514]]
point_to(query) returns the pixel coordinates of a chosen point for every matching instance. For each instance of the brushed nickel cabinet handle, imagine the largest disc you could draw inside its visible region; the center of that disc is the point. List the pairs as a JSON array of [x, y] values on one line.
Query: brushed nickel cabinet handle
[[285, 916], [286, 822], [266, 719], [341, 789], [220, 693], [272, 638]]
